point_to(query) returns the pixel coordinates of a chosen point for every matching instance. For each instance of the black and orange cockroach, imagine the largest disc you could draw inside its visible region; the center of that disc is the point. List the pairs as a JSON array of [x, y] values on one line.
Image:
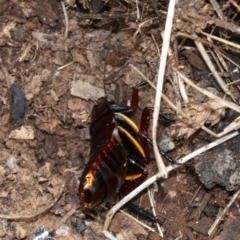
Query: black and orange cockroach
[[119, 150]]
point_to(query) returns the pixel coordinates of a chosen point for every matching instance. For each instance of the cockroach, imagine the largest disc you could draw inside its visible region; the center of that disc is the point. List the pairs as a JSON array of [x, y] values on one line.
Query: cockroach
[[119, 151]]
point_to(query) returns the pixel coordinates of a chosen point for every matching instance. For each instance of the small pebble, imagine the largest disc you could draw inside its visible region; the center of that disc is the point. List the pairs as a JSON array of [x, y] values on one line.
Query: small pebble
[[17, 103]]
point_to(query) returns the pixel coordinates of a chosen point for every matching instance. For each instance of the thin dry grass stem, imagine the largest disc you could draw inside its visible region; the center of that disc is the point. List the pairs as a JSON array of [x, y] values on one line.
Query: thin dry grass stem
[[154, 211], [25, 52], [109, 235], [183, 91], [229, 59], [64, 219], [235, 82], [139, 222], [222, 213], [161, 73], [156, 45], [177, 83], [179, 88], [168, 101], [235, 125], [121, 4], [222, 40], [227, 25], [204, 41], [141, 24], [66, 65], [66, 23], [170, 168], [185, 35], [235, 4], [194, 196], [143, 9], [219, 60], [221, 57], [217, 8], [210, 65], [180, 236], [138, 12], [231, 105]]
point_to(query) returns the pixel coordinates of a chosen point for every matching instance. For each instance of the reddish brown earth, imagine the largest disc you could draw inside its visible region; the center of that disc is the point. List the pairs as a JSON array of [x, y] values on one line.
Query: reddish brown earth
[[40, 165]]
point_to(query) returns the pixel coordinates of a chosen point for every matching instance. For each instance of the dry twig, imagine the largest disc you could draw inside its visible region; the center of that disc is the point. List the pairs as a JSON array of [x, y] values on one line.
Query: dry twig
[[66, 23], [217, 8], [154, 211], [108, 235], [168, 101], [221, 40], [161, 72], [222, 213], [138, 12], [141, 25], [235, 4], [209, 63], [231, 105], [197, 213], [64, 219], [66, 65]]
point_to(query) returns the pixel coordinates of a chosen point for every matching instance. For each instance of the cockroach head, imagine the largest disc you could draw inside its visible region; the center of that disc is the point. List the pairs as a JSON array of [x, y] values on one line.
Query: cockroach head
[[92, 189]]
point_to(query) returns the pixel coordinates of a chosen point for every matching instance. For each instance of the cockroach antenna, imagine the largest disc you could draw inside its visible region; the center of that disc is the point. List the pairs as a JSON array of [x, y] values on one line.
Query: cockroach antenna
[[105, 66], [104, 76]]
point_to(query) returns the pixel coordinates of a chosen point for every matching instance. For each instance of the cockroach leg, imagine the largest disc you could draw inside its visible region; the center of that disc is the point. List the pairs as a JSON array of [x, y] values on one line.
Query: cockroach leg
[[145, 214], [164, 154], [129, 111], [144, 126], [163, 115], [136, 174]]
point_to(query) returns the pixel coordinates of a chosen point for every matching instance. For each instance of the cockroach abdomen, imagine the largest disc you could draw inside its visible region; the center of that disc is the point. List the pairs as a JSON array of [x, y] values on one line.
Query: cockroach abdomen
[[17, 103]]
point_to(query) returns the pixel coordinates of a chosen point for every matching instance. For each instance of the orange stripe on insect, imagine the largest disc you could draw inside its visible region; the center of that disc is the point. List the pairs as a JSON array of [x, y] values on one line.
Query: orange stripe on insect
[[133, 177], [131, 138], [128, 121]]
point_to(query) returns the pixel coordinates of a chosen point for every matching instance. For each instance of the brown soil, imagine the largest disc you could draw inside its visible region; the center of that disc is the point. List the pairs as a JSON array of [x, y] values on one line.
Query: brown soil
[[44, 140]]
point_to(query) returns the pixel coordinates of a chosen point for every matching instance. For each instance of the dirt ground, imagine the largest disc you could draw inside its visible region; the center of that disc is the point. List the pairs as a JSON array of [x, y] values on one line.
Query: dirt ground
[[51, 73]]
